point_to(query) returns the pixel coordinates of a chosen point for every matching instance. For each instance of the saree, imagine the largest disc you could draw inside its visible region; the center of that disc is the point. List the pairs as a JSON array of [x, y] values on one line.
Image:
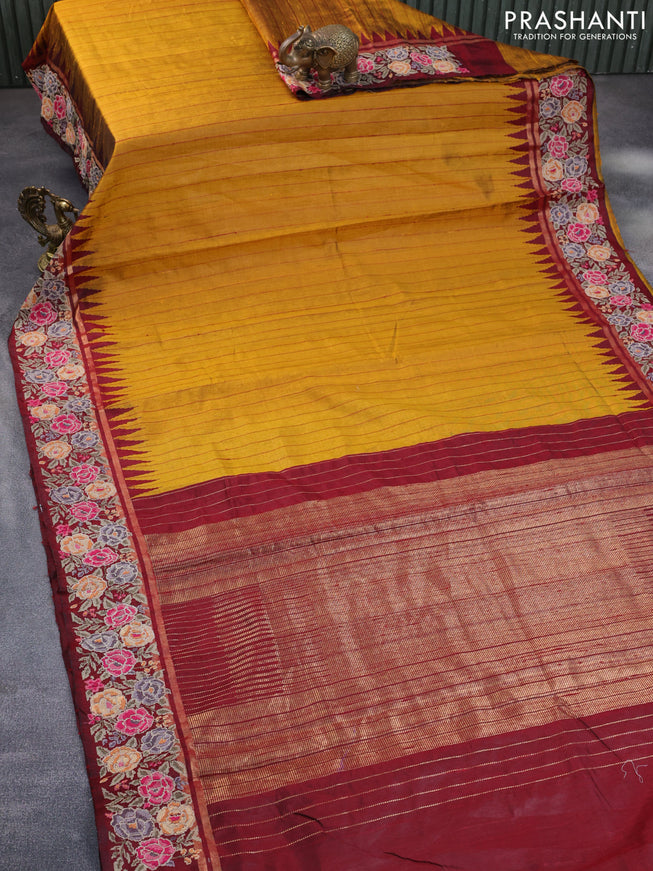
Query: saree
[[339, 410]]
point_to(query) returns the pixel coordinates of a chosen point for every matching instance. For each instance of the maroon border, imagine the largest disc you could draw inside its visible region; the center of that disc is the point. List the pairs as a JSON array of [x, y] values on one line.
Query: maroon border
[[63, 617], [247, 495], [591, 771]]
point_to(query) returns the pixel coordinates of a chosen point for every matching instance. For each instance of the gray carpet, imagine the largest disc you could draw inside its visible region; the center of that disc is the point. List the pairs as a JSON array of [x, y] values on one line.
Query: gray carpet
[[46, 818]]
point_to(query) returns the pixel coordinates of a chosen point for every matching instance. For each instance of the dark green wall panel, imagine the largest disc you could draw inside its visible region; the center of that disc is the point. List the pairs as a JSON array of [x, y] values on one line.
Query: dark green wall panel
[[20, 21]]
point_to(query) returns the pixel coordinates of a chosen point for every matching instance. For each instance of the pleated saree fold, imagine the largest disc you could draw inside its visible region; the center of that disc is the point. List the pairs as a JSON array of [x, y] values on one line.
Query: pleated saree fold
[[340, 419]]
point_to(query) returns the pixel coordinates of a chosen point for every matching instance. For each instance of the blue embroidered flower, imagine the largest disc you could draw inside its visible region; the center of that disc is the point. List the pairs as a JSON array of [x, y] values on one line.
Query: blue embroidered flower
[[439, 52], [53, 289], [550, 108], [112, 533], [148, 691], [135, 824], [84, 440], [60, 330], [94, 176], [620, 320], [78, 404], [560, 214], [398, 53], [40, 376], [639, 349], [622, 287], [101, 642], [575, 166], [121, 573], [573, 250], [157, 741], [66, 495]]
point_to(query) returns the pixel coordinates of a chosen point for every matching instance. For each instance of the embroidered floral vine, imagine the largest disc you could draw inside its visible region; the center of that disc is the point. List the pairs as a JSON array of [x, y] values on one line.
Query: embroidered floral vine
[[59, 113], [565, 119], [382, 68], [143, 778]]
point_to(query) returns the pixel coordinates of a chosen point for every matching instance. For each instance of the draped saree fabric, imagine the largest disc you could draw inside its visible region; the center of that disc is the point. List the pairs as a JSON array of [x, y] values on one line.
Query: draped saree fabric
[[340, 420]]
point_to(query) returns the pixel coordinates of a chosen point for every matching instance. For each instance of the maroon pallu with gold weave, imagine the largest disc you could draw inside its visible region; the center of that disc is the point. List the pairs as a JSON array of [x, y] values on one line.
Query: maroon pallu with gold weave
[[340, 415]]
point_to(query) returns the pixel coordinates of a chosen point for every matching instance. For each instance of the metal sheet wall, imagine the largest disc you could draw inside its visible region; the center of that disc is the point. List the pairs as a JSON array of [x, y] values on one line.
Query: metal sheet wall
[[20, 21]]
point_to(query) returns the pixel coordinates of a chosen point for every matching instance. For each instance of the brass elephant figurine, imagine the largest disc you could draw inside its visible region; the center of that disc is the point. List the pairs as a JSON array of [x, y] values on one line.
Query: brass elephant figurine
[[329, 49]]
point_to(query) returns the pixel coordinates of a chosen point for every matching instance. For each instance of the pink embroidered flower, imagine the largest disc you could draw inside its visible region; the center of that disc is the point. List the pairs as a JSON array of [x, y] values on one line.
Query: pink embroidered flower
[[154, 852], [365, 64], [595, 276], [561, 85], [423, 59], [43, 313], [620, 299], [120, 615], [578, 232], [84, 510], [133, 721], [642, 332], [57, 357], [60, 106], [84, 474], [592, 196], [572, 185], [55, 388], [558, 146], [156, 787], [93, 685], [119, 662], [100, 556], [66, 423]]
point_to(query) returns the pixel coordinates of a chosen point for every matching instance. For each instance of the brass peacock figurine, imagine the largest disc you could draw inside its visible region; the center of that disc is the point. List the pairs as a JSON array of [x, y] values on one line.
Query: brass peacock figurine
[[31, 205]]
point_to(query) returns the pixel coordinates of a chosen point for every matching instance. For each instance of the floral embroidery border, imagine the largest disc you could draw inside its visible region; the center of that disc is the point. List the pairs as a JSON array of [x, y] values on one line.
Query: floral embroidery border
[[142, 774], [383, 68], [575, 217], [60, 115]]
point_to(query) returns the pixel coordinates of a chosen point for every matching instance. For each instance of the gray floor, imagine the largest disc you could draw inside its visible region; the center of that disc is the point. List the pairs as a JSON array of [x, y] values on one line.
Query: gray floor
[[46, 818]]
